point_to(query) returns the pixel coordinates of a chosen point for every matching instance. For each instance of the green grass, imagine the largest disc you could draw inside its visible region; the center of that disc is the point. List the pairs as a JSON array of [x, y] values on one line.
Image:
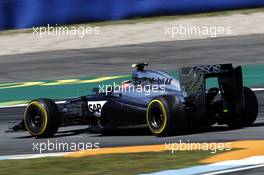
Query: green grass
[[115, 164], [147, 19]]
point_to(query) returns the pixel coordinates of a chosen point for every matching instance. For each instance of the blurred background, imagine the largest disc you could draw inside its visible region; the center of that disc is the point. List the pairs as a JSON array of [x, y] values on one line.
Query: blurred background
[[15, 14]]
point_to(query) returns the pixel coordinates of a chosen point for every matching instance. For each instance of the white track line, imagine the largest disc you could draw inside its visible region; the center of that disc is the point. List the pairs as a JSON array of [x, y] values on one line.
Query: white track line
[[257, 89], [32, 156], [235, 170], [217, 168]]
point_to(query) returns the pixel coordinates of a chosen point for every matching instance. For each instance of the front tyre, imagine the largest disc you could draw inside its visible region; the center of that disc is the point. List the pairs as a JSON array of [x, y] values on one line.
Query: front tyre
[[249, 113], [162, 115], [41, 118]]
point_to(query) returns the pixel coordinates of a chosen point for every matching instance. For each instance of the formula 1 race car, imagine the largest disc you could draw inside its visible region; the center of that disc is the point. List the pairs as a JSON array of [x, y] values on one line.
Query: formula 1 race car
[[154, 98]]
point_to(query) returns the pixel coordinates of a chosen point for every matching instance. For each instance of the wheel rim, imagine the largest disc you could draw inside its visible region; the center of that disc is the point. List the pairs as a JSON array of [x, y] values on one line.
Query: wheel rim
[[156, 117], [35, 119]]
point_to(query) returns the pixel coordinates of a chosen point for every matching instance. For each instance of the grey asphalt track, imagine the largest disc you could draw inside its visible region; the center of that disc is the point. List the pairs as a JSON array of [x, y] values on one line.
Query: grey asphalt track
[[115, 60], [22, 143]]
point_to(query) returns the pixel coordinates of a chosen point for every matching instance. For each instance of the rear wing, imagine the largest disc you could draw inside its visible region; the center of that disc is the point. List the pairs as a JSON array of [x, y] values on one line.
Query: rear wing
[[230, 82], [213, 70]]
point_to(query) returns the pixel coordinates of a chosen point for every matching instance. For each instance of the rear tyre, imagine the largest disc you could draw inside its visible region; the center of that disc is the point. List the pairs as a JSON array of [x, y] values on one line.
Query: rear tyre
[[42, 118], [161, 115], [249, 113]]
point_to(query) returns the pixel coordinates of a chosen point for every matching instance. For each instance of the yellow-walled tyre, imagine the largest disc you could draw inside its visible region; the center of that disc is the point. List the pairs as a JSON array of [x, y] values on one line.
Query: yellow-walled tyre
[[164, 115], [42, 118]]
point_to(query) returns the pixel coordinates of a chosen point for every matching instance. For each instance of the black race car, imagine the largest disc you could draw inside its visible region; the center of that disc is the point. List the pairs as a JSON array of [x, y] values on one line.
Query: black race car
[[154, 98]]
